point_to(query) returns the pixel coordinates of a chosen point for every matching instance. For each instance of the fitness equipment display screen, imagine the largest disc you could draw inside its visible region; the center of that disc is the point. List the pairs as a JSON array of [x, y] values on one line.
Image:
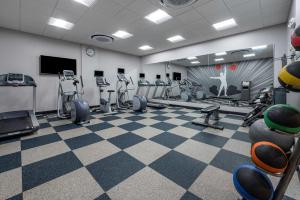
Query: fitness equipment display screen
[[142, 75], [157, 76], [176, 76], [56, 65], [98, 73], [121, 71], [167, 75]]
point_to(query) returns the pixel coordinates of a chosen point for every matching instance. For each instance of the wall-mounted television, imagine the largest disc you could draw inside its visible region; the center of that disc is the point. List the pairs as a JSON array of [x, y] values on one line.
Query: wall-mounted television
[[176, 76], [142, 75], [98, 73], [56, 65], [121, 71]]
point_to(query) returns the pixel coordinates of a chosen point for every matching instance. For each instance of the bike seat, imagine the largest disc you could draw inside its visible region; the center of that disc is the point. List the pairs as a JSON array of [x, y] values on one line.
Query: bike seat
[[210, 109], [110, 91]]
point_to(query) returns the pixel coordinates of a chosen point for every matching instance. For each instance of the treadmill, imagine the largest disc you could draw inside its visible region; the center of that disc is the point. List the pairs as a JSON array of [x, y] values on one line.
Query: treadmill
[[18, 122], [142, 83]]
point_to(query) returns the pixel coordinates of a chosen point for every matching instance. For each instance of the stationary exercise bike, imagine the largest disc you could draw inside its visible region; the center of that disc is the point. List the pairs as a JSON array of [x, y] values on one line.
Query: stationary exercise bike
[[70, 103], [104, 104]]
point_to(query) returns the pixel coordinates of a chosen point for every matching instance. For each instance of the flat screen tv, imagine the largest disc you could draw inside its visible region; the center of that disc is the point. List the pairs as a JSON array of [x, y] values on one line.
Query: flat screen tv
[[98, 73], [55, 65], [142, 75], [121, 71], [176, 76]]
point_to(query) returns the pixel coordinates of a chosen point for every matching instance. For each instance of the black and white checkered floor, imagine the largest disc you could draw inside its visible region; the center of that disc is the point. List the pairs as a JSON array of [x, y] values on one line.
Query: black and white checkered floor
[[157, 155]]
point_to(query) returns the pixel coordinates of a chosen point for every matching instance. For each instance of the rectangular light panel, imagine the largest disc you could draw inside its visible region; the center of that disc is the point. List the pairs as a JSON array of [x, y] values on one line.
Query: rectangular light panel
[[221, 54], [159, 16], [60, 23], [122, 34], [191, 58], [145, 47], [249, 55], [259, 47], [219, 59], [195, 62], [87, 3], [176, 38], [225, 24]]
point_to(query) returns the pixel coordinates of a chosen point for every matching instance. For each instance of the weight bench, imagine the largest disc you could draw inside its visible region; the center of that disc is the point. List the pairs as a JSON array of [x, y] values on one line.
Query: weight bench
[[211, 110]]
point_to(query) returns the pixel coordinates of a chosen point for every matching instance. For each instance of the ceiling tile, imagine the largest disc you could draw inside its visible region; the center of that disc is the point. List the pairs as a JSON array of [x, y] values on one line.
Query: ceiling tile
[[214, 11], [71, 8], [143, 7], [9, 14], [190, 17]]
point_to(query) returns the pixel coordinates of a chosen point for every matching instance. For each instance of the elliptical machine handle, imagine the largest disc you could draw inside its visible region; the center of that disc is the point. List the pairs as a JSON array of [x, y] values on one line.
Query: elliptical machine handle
[[82, 91], [131, 81]]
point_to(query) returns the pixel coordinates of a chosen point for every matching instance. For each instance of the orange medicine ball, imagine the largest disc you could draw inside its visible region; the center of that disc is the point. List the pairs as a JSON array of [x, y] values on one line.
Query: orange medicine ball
[[269, 157]]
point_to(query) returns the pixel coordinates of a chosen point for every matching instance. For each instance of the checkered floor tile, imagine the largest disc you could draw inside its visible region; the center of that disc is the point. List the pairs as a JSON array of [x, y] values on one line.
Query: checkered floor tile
[[157, 155]]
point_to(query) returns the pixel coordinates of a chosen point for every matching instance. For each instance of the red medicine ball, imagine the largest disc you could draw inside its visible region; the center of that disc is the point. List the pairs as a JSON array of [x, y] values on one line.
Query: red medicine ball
[[295, 39]]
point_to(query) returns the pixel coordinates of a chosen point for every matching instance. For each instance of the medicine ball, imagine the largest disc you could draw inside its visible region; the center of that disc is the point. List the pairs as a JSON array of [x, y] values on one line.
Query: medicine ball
[[259, 132], [269, 157], [295, 39], [284, 118], [252, 183], [289, 76]]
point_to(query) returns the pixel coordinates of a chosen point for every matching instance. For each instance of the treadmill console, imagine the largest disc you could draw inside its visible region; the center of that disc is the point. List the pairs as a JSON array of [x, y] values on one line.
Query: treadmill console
[[15, 79]]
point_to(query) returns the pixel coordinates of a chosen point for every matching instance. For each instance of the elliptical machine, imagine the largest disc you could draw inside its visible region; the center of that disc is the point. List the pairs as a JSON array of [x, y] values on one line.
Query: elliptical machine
[[185, 87], [138, 103], [70, 103], [104, 104]]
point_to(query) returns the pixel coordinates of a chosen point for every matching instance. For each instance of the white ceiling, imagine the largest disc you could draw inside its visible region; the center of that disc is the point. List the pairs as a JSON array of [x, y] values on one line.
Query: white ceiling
[[231, 57], [107, 16]]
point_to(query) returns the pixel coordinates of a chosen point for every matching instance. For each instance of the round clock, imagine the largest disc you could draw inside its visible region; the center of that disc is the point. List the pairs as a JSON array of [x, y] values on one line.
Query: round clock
[[90, 52]]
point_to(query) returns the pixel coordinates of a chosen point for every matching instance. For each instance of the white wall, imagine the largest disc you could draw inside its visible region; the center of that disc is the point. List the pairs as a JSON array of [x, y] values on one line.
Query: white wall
[[20, 54], [278, 35], [109, 62], [273, 35]]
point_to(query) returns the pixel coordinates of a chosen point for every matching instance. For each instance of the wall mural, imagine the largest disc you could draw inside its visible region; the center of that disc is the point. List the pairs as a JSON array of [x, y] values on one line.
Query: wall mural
[[226, 79]]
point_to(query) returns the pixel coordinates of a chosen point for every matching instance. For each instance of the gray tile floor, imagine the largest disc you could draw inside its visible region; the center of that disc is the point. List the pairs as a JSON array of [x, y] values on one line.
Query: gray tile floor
[[158, 155]]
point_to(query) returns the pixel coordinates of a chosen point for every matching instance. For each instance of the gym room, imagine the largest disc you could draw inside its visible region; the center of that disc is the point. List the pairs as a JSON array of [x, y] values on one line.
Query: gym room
[[149, 99]]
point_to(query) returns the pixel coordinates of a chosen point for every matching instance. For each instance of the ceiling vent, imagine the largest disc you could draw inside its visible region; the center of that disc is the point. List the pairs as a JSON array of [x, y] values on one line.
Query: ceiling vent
[[177, 3], [102, 38]]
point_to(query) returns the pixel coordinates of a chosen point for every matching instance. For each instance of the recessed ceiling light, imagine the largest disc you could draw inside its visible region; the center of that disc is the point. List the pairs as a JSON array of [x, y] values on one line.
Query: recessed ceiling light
[[219, 59], [145, 47], [195, 62], [60, 23], [176, 38], [225, 24], [158, 16], [221, 54], [87, 3], [122, 34], [259, 47], [191, 58], [249, 55]]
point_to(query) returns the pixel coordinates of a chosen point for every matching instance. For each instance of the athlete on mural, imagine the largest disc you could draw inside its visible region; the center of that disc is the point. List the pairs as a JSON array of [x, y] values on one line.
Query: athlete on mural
[[223, 80]]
